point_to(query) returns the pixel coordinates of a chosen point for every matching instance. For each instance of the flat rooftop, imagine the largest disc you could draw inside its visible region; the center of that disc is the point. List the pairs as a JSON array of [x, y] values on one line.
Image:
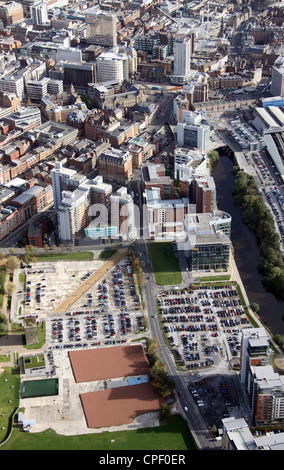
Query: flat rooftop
[[106, 363], [118, 406]]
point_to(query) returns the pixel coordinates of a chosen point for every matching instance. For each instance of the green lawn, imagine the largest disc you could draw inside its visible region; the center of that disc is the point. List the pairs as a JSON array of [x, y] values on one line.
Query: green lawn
[[11, 374], [106, 254], [81, 255], [172, 436], [165, 265]]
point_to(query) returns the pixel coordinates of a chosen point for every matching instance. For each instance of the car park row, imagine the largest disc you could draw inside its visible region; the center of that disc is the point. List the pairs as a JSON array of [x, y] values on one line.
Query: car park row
[[197, 321]]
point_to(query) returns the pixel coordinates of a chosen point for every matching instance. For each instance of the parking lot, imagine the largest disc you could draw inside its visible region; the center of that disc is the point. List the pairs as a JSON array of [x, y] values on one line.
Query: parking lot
[[203, 324], [108, 313], [216, 398]]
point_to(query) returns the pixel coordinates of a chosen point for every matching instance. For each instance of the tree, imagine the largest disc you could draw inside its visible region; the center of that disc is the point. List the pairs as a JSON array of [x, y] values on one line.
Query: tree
[[10, 288], [12, 263], [255, 307]]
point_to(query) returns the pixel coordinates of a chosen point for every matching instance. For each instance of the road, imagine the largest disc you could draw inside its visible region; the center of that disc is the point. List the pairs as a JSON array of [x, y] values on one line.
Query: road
[[194, 420]]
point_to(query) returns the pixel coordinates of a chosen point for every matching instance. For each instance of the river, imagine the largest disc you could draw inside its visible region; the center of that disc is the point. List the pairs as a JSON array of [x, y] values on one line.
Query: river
[[246, 249]]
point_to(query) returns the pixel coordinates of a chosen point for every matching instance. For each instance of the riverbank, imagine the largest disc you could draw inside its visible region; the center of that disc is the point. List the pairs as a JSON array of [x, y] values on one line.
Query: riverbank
[[246, 249]]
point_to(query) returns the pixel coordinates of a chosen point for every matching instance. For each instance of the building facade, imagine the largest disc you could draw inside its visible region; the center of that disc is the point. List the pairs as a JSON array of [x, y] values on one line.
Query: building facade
[[101, 27]]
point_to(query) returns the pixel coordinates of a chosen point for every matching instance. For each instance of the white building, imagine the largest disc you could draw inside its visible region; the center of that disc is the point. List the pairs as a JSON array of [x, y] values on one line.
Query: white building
[[277, 82], [63, 179], [71, 214], [39, 13], [193, 135], [189, 163], [36, 90], [101, 27], [238, 436], [122, 213], [112, 66], [182, 48], [12, 84], [55, 87]]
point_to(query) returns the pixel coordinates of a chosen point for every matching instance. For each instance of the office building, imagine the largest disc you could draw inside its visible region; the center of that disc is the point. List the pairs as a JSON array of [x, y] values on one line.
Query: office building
[[153, 176], [140, 149], [11, 12], [277, 81], [69, 54], [78, 74], [39, 13], [115, 165], [207, 241], [189, 163], [101, 27], [194, 135], [25, 119], [111, 64], [37, 89], [255, 351], [13, 84]]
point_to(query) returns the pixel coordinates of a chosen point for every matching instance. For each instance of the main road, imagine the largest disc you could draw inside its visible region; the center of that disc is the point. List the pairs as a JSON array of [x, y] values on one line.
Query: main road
[[186, 404]]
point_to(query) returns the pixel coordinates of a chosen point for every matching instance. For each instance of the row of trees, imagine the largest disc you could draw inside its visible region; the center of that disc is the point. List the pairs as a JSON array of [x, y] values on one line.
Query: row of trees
[[260, 220], [159, 376]]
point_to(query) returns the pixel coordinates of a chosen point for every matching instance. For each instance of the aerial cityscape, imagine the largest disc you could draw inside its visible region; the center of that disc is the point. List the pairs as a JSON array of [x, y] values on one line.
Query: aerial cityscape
[[142, 227]]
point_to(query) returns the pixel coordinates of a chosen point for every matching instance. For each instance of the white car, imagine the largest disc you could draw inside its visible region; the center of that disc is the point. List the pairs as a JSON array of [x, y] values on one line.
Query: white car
[[185, 408]]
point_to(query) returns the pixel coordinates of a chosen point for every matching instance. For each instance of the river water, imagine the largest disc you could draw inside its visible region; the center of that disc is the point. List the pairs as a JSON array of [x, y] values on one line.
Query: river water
[[246, 249]]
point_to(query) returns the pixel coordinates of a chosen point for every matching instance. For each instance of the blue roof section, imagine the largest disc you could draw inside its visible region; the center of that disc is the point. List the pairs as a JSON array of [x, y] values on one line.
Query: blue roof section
[[141, 379]]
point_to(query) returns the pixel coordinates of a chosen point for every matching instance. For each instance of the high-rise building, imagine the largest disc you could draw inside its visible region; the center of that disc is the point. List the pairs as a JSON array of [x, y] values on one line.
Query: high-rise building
[[78, 208], [101, 27], [204, 191], [254, 352], [277, 82], [122, 213], [11, 12], [39, 13], [266, 395], [182, 48], [63, 179]]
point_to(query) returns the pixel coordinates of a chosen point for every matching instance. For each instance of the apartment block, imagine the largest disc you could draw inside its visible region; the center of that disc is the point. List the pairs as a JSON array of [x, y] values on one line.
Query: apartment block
[[22, 208], [164, 219], [78, 208], [122, 214], [266, 396]]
